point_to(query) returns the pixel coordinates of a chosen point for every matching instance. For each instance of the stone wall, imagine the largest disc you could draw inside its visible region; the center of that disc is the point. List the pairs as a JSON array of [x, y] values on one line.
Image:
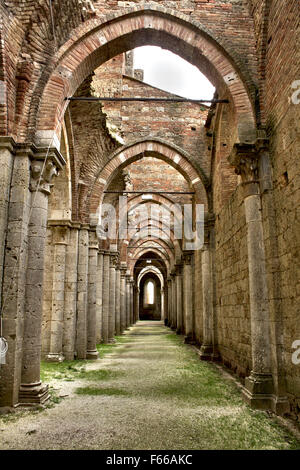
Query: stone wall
[[232, 281]]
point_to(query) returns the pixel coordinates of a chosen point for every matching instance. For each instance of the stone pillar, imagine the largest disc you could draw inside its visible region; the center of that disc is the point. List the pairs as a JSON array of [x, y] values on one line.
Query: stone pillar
[[112, 297], [137, 303], [162, 294], [259, 385], [70, 307], [123, 298], [174, 301], [7, 146], [206, 349], [105, 296], [82, 292], [92, 352], [14, 276], [118, 301], [127, 301], [169, 313], [179, 299], [99, 286], [131, 302], [42, 171], [188, 296], [60, 240]]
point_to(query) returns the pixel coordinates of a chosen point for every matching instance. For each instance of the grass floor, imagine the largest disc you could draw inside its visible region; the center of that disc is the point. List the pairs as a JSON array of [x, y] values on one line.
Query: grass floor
[[147, 391]]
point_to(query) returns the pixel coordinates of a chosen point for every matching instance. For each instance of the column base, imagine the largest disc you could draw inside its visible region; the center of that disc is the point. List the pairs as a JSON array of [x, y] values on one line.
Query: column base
[[33, 394], [280, 405], [179, 331], [111, 341], [258, 391], [206, 352], [54, 357], [92, 355], [188, 339]]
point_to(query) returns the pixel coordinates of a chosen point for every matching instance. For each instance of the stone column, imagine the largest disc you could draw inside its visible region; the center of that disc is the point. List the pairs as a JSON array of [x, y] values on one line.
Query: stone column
[[112, 297], [188, 296], [123, 298], [179, 299], [137, 303], [127, 301], [14, 276], [169, 313], [259, 385], [174, 301], [105, 296], [60, 239], [99, 286], [70, 307], [206, 349], [82, 292], [92, 352], [118, 300], [131, 302], [7, 146], [42, 172]]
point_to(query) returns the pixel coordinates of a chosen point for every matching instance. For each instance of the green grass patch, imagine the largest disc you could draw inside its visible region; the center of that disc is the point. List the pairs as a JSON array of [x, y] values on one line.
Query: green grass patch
[[61, 370], [101, 391]]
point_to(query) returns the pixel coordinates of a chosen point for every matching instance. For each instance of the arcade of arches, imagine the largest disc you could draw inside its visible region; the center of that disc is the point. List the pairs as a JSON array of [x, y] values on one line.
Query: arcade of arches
[[66, 285]]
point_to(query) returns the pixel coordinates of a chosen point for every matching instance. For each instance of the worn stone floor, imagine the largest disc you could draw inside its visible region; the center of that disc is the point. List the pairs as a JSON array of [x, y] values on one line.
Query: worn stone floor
[[149, 392]]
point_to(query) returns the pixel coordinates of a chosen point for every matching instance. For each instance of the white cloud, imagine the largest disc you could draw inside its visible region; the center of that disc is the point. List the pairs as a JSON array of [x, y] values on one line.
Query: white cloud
[[167, 71]]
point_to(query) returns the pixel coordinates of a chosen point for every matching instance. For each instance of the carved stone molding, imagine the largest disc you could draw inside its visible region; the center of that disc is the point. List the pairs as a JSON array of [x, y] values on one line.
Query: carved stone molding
[[179, 269], [45, 164], [187, 257], [114, 259], [93, 240], [245, 158], [60, 235]]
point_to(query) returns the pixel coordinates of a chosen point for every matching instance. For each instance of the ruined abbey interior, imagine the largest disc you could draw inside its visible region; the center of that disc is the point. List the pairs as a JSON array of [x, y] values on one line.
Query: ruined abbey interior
[[231, 286]]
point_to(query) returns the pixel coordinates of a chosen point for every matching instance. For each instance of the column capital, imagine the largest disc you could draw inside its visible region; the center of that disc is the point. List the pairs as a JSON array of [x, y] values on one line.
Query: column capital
[[187, 257], [178, 269], [114, 258], [60, 234], [45, 164], [123, 270], [245, 158], [93, 240]]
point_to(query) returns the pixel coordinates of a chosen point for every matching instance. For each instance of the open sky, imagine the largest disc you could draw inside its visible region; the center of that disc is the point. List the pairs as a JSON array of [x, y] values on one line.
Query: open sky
[[167, 71]]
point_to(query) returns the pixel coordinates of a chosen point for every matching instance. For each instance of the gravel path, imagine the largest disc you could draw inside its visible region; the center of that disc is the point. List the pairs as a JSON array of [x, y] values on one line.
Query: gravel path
[[156, 394]]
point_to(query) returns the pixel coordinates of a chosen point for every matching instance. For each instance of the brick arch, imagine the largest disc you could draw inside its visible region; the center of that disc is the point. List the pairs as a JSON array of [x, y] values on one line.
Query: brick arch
[[158, 199], [156, 26], [130, 153], [167, 263], [151, 269], [170, 252], [157, 224], [169, 244]]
